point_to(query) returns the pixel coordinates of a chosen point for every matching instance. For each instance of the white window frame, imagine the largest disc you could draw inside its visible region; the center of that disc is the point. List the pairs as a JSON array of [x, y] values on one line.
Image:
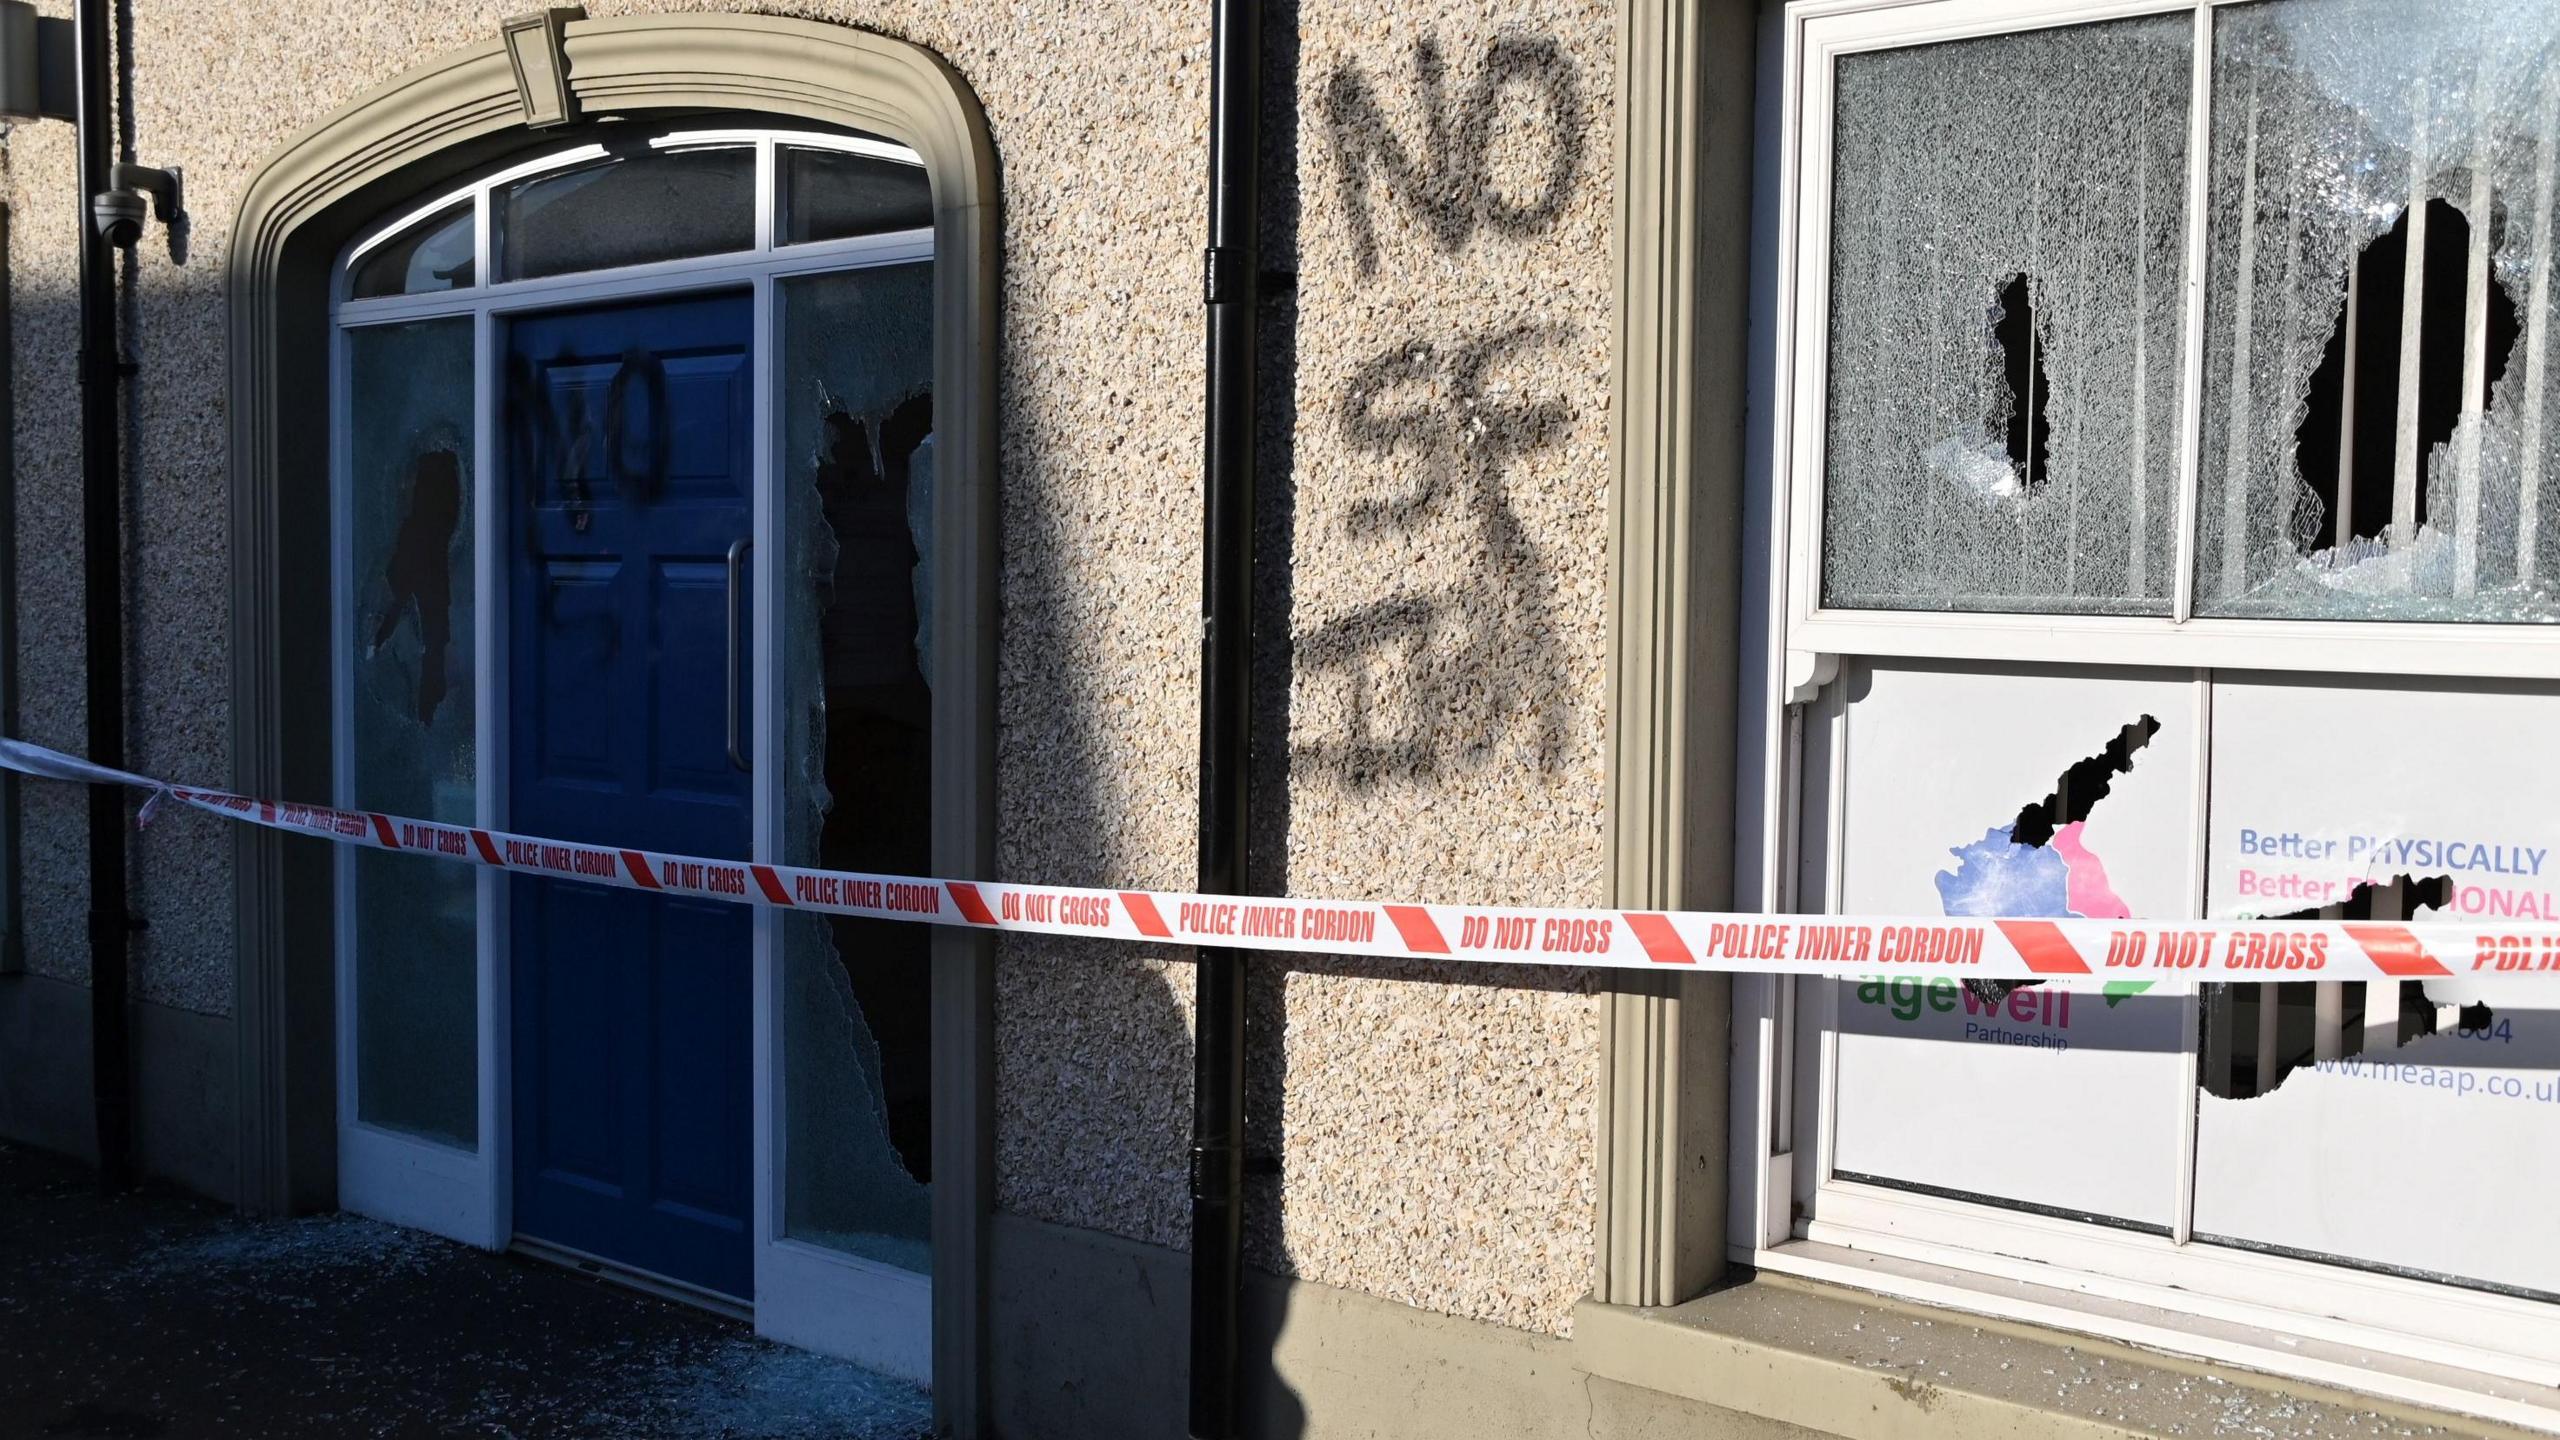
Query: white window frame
[[807, 1295], [1818, 32], [2428, 1343]]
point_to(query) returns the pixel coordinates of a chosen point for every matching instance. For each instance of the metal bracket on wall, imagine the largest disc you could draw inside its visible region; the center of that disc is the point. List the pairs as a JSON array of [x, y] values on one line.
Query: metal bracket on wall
[[536, 49], [37, 81]]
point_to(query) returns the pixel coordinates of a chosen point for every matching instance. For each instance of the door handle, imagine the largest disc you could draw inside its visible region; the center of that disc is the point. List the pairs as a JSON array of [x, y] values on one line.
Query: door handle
[[737, 616]]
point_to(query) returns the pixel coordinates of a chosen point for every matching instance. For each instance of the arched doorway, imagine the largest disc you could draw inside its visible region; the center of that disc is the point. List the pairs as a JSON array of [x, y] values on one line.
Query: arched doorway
[[634, 413]]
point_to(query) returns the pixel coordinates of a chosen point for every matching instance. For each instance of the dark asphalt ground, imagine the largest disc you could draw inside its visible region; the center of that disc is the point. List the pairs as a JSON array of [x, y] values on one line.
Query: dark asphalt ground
[[157, 1316]]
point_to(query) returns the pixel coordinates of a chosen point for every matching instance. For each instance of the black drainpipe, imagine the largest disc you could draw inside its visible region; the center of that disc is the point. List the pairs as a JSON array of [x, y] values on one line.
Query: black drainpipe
[[102, 544], [1226, 673]]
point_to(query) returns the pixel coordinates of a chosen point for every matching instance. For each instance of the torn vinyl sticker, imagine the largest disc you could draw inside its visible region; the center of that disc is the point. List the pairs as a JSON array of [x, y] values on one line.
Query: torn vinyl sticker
[[2019, 794], [2367, 1120]]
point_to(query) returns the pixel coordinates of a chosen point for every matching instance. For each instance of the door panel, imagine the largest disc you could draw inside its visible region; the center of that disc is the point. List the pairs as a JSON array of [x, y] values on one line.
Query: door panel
[[630, 457], [688, 739], [580, 1071]]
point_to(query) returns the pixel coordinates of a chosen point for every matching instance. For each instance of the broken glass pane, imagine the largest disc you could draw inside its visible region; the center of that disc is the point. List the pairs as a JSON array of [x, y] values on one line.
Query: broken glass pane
[[2007, 235], [416, 967], [2377, 370], [630, 209], [857, 405]]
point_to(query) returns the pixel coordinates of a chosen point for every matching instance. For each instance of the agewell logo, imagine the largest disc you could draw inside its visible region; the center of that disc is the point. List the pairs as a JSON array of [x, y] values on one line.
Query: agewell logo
[[2037, 1017]]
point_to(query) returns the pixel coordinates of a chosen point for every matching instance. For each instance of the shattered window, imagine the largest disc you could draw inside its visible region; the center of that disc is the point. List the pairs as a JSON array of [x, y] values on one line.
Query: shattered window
[[2377, 371], [415, 962], [858, 445], [2007, 241]]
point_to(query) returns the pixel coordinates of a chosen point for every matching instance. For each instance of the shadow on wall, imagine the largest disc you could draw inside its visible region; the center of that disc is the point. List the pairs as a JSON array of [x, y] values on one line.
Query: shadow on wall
[[1445, 431], [176, 611], [1270, 1408], [1096, 1077]]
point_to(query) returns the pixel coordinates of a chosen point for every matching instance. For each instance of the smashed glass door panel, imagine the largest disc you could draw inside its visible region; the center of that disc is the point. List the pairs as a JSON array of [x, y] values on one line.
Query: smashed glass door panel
[[409, 666], [856, 399], [2007, 243], [2378, 377]]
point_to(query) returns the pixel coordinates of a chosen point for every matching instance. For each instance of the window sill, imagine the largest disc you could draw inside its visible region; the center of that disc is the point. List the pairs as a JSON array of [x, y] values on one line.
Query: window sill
[[1804, 1350], [2440, 650]]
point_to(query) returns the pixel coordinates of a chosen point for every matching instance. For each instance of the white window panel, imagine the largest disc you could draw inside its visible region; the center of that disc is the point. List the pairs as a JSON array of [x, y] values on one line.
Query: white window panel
[[1964, 484]]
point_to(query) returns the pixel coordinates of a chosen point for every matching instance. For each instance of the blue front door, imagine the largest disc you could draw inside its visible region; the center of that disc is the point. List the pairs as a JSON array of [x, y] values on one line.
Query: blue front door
[[630, 480]]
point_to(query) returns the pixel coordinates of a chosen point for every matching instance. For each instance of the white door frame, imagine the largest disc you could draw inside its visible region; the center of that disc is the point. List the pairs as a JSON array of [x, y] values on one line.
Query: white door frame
[[805, 1295]]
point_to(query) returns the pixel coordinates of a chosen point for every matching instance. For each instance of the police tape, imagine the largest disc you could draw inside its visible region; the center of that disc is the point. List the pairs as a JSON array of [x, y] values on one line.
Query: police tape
[[2169, 954]]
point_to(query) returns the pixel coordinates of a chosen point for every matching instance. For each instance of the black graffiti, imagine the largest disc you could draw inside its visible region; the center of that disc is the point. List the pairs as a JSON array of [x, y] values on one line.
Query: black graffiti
[[1450, 187], [637, 484], [1472, 662], [420, 572]]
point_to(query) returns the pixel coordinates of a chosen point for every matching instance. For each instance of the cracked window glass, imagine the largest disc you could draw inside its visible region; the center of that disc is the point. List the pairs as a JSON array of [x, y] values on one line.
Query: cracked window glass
[[2007, 242], [416, 970], [857, 402], [2377, 376]]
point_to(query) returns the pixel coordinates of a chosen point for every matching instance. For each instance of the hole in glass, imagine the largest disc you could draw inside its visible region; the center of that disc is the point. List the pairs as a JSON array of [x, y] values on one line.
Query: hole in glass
[[856, 383], [2036, 865], [2030, 427], [2308, 1028], [2361, 480]]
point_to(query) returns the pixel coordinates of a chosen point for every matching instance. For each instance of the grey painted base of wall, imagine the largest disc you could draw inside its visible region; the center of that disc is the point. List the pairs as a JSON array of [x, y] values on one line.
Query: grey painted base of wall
[[1090, 1338], [184, 1065]]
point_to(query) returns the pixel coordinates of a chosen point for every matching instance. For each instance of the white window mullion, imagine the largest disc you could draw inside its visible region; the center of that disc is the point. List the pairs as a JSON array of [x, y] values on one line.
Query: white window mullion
[[2191, 317], [2244, 330], [2475, 347], [2405, 458], [2382, 997], [2182, 1225], [2537, 315], [483, 256], [768, 195], [2342, 520]]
